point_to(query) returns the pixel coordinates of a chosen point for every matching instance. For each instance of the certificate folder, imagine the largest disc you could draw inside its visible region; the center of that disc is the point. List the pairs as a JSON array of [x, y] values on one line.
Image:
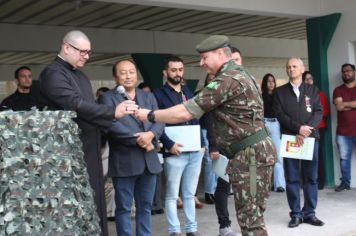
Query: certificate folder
[[219, 167], [187, 135], [290, 149]]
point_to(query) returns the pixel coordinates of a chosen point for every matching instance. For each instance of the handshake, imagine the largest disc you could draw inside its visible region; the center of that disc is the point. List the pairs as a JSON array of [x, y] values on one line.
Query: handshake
[[129, 107]]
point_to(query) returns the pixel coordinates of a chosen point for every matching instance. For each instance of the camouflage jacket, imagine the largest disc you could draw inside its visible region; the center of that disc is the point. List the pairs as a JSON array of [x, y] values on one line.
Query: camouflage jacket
[[236, 103]]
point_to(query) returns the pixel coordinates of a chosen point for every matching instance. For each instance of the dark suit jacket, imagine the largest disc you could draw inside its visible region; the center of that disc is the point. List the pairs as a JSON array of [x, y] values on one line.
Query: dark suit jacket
[[126, 158], [166, 98], [293, 113]]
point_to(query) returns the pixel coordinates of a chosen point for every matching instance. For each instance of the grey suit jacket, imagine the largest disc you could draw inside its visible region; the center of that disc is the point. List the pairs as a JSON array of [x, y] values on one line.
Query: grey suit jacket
[[126, 158]]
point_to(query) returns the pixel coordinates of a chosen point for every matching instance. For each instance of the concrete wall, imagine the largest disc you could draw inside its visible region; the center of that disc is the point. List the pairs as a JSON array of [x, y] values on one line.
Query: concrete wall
[[341, 50]]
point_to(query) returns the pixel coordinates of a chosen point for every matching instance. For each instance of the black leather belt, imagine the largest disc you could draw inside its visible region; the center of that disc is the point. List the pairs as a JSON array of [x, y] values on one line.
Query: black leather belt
[[271, 119]]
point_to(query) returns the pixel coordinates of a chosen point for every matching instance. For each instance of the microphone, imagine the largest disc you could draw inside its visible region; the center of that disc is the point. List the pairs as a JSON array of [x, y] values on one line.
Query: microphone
[[122, 91]]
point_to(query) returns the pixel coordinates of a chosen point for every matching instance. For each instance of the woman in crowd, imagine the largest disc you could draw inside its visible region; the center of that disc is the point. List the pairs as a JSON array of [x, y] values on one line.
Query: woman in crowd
[[268, 86]]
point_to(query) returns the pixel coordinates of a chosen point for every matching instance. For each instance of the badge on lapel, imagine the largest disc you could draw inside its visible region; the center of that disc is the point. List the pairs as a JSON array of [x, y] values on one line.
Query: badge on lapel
[[307, 103]]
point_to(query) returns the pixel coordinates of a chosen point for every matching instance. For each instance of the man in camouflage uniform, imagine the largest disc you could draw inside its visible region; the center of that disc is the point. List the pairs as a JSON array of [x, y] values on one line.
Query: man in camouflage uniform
[[236, 103]]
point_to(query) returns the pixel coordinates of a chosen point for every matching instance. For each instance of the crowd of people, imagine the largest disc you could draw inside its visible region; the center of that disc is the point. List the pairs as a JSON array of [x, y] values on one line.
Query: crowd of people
[[231, 116]]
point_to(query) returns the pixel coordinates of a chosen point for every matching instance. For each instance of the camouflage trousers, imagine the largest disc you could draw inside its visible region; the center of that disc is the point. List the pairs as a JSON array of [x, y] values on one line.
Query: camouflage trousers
[[250, 205]]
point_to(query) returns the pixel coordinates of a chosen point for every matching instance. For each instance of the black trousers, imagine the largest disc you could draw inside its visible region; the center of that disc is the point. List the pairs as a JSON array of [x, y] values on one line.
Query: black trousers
[[221, 197]]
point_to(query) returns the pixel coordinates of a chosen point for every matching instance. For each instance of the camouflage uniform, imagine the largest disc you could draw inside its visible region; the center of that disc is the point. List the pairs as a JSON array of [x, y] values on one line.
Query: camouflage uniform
[[235, 101]]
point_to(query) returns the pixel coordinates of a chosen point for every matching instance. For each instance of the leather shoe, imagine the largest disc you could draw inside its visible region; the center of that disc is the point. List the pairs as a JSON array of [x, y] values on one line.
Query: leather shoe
[[342, 186], [158, 211], [175, 234], [280, 190], [294, 222], [313, 221], [193, 234], [198, 204], [209, 198]]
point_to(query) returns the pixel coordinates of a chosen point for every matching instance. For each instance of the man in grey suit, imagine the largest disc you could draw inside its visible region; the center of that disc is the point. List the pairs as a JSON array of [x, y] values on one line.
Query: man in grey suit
[[133, 160]]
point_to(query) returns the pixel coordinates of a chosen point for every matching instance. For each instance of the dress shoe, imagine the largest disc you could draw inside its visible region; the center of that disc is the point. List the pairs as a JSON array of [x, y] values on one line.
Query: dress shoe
[[209, 198], [193, 234], [158, 211], [342, 186], [313, 221], [198, 204], [280, 190], [294, 222], [175, 234]]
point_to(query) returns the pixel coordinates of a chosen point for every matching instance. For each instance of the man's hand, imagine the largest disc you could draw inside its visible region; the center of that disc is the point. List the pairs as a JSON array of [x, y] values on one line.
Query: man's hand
[[141, 114], [144, 138], [341, 105], [175, 149], [125, 108], [214, 155], [305, 130], [300, 139]]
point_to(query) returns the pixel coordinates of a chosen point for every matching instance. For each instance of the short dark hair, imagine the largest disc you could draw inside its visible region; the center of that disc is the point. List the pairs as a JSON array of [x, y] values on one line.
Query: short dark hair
[[115, 64], [102, 89], [264, 87], [144, 85], [171, 58], [17, 71], [346, 65], [235, 49]]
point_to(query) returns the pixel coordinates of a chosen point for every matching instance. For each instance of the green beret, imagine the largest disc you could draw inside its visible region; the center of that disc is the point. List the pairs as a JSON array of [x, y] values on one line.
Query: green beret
[[212, 43]]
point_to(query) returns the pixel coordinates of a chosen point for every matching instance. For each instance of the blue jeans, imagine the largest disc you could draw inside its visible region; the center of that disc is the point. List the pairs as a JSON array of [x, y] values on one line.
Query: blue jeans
[[345, 144], [278, 170], [185, 170], [142, 189], [210, 178], [310, 186]]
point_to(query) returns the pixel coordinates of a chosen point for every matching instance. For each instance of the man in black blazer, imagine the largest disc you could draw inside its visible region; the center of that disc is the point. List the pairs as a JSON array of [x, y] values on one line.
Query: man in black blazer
[[63, 86], [133, 160], [298, 109]]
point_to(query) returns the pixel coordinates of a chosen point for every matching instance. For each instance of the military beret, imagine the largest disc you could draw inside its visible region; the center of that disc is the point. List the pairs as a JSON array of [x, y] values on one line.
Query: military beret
[[212, 43]]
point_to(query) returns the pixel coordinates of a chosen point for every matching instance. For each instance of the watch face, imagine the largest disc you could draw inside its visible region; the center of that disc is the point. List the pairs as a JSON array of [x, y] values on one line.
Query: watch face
[[151, 116]]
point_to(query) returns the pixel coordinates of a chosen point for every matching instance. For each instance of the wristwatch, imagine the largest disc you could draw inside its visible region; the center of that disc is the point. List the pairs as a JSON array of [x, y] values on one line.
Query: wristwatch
[[151, 116]]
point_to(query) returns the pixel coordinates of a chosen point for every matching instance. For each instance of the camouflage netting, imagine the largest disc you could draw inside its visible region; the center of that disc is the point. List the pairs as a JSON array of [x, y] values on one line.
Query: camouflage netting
[[44, 185]]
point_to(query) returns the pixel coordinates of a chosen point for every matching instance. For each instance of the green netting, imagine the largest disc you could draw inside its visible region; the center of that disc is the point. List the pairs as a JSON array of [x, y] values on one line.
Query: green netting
[[44, 185]]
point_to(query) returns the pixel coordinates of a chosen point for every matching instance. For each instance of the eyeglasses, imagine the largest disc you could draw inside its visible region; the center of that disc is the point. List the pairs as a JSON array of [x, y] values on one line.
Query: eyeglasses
[[82, 52]]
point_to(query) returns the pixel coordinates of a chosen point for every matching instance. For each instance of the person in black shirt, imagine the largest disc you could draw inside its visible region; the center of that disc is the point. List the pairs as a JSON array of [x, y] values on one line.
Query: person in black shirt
[[22, 99], [268, 87]]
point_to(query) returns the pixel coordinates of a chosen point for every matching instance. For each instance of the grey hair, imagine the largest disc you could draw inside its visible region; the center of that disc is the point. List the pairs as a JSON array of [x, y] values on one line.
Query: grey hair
[[73, 36], [297, 58]]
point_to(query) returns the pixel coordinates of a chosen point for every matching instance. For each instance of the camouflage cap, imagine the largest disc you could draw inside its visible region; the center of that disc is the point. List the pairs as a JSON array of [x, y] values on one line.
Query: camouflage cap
[[212, 43]]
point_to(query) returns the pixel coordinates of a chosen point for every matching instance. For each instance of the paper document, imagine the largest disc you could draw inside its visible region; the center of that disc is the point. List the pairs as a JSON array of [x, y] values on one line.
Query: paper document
[[187, 135], [219, 167], [160, 158], [290, 148]]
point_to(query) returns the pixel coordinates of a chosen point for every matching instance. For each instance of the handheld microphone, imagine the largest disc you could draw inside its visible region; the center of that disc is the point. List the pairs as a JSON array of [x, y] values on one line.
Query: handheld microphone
[[122, 91]]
